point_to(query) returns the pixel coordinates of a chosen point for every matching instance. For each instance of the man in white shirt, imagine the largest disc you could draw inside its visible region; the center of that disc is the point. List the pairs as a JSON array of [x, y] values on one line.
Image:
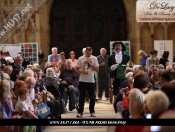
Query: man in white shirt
[[87, 65]]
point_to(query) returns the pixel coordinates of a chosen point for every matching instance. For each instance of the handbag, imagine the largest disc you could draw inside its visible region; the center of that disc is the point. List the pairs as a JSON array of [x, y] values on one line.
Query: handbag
[[43, 110], [125, 101]]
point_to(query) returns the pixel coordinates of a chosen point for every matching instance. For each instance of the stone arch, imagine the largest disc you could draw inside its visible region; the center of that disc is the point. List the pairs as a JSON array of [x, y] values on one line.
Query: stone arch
[[145, 32], [171, 35], [158, 32]]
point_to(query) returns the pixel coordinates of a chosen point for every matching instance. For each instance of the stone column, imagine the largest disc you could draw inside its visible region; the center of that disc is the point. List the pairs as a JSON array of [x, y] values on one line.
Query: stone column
[[37, 33]]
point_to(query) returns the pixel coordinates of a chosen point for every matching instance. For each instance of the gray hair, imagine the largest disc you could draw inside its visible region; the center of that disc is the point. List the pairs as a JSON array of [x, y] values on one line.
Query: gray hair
[[49, 69], [18, 56], [54, 48], [103, 49], [8, 66]]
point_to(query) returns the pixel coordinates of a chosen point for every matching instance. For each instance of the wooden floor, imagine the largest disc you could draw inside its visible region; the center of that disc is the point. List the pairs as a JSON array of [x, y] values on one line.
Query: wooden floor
[[103, 109]]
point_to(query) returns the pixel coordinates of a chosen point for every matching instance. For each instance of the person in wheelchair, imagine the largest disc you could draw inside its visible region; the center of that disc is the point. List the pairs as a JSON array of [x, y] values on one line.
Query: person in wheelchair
[[69, 85], [51, 83]]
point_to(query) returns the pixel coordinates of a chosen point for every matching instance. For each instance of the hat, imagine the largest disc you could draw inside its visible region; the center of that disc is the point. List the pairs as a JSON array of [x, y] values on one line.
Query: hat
[[119, 42]]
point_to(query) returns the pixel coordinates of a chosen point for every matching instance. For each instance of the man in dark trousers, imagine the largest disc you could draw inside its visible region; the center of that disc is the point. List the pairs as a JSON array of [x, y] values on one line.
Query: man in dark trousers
[[70, 80], [114, 61], [87, 65]]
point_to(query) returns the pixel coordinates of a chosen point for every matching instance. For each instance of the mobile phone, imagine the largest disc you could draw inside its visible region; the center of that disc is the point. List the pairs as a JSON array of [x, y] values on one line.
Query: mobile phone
[[148, 116], [155, 128]]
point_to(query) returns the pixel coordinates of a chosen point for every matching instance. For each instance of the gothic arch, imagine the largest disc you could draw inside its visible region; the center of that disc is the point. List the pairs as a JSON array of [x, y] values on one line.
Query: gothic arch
[[145, 32]]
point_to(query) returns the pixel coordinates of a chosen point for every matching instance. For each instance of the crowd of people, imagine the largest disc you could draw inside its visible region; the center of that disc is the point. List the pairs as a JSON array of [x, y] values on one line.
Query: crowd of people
[[141, 91]]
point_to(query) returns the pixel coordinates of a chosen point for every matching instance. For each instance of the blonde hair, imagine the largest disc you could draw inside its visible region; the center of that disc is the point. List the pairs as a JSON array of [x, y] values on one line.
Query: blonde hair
[[169, 67], [157, 101], [141, 52], [4, 76], [28, 73], [136, 101], [6, 85]]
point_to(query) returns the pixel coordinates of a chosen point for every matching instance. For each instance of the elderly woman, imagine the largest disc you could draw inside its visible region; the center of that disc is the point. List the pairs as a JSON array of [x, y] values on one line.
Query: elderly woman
[[143, 57], [51, 82]]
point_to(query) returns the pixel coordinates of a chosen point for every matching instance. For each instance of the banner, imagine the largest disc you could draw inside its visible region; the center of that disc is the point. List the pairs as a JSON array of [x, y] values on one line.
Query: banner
[[87, 122], [13, 49], [164, 45]]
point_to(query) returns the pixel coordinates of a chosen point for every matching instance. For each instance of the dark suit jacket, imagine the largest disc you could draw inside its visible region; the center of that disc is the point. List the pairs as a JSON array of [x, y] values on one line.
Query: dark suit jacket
[[111, 61]]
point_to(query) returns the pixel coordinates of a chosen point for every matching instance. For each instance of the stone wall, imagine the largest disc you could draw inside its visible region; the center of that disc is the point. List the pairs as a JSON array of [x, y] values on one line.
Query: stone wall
[[36, 28]]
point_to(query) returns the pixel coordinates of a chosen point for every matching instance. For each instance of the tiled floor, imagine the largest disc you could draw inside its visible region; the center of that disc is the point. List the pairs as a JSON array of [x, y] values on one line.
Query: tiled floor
[[103, 109]]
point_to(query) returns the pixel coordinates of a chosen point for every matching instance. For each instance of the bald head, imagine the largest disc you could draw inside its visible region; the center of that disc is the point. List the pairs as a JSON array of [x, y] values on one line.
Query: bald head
[[30, 82], [103, 52]]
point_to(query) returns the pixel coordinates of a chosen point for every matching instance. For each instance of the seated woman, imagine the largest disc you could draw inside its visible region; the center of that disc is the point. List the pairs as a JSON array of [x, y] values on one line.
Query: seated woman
[[51, 83], [53, 104]]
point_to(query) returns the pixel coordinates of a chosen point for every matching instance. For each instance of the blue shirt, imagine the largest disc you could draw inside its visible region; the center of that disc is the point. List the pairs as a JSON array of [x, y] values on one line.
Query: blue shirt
[[143, 60], [52, 58]]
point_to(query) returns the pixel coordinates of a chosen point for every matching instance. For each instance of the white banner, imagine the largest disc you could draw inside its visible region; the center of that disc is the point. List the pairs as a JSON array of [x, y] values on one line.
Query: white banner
[[155, 11], [164, 45], [13, 49]]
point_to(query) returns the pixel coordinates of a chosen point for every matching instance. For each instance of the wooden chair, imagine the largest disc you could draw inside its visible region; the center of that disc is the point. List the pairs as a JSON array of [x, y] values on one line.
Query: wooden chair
[[44, 98]]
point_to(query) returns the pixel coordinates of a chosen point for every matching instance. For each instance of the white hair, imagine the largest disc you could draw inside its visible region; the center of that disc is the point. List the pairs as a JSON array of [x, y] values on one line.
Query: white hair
[[136, 68], [18, 56], [136, 101], [102, 49], [83, 50], [157, 101], [54, 48], [128, 75], [50, 69]]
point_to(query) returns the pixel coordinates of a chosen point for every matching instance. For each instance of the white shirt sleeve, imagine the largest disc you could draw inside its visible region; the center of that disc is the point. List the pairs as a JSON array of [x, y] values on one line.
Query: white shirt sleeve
[[78, 63], [21, 106]]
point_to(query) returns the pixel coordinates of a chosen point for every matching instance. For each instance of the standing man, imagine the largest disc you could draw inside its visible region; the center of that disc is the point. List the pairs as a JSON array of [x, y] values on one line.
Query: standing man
[[54, 57], [103, 75], [25, 61], [87, 65], [119, 58]]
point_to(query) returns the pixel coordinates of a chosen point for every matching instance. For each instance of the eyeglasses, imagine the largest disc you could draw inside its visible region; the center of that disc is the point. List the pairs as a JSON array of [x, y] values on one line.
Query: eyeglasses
[[19, 60], [30, 83]]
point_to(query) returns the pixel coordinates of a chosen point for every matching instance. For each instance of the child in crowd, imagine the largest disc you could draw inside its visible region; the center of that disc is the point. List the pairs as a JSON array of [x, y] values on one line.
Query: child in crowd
[[21, 105]]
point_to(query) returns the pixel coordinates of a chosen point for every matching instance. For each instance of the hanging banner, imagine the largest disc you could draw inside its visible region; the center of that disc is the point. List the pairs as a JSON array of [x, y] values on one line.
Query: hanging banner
[[164, 45]]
